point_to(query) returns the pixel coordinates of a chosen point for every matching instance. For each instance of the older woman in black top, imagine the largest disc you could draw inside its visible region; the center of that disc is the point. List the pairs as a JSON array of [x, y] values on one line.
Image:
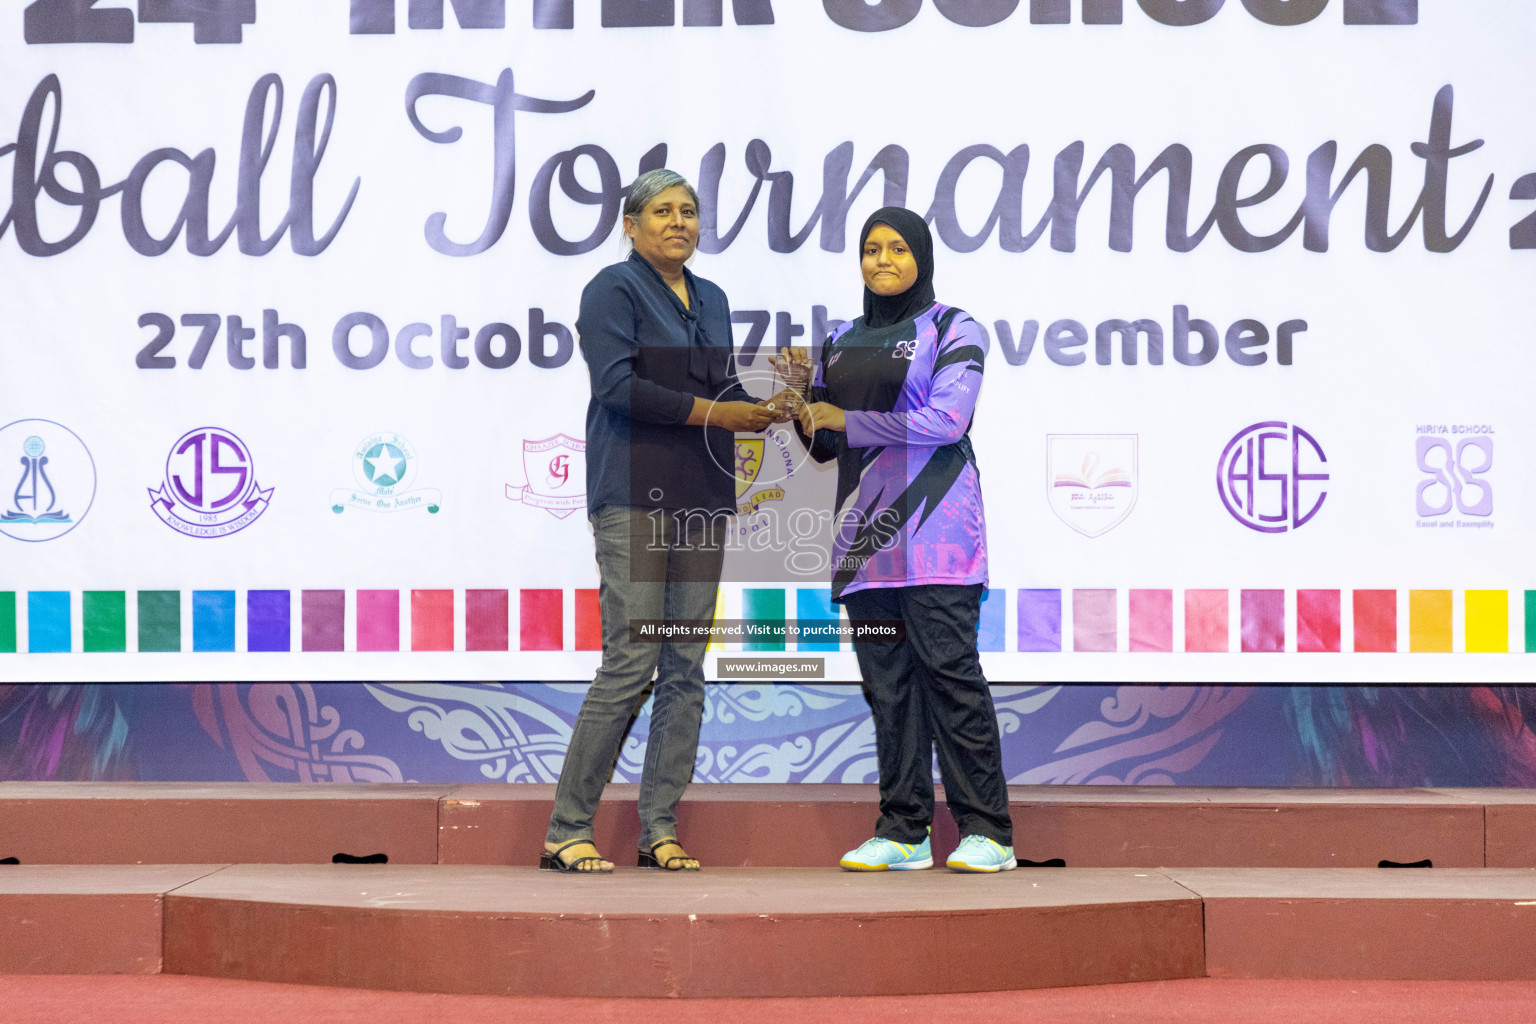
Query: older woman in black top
[[660, 478]]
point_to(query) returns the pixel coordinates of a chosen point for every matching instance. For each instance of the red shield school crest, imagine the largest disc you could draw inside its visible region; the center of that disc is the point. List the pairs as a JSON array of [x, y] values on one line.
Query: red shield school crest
[[556, 470]]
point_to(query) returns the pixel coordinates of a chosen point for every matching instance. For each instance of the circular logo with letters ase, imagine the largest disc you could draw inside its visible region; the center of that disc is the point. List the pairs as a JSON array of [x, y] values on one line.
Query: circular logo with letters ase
[[1271, 477]]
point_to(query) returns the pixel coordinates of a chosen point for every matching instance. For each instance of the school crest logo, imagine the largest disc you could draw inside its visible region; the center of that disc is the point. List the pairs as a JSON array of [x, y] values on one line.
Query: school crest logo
[[383, 468], [556, 471], [52, 483], [749, 463], [210, 487], [1091, 480], [1456, 490], [750, 453]]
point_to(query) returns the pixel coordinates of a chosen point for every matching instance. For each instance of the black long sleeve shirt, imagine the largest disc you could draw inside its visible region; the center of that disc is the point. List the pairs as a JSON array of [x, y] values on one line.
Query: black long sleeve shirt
[[649, 357]]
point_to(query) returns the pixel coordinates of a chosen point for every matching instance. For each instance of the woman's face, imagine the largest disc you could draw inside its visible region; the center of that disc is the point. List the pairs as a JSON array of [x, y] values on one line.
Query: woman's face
[[888, 264], [667, 230]]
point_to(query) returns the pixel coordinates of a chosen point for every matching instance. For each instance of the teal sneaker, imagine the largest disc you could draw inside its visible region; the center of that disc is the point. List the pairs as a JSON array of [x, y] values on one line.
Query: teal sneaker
[[884, 855], [978, 853]]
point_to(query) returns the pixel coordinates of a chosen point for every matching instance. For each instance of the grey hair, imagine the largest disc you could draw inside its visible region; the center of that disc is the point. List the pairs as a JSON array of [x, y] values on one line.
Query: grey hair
[[650, 185]]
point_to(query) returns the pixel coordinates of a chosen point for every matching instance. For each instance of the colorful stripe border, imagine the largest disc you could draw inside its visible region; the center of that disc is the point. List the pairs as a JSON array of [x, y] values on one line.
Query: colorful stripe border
[[1084, 620]]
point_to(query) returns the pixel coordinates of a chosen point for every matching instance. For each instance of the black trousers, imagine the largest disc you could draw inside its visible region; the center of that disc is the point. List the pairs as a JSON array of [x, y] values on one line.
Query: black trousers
[[929, 691]]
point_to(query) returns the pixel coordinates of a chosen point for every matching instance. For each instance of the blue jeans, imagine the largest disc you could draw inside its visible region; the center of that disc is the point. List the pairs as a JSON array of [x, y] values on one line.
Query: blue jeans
[[650, 566]]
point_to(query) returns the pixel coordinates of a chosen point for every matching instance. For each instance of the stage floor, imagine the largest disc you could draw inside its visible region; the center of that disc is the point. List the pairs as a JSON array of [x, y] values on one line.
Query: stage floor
[[763, 931], [764, 825], [1159, 884]]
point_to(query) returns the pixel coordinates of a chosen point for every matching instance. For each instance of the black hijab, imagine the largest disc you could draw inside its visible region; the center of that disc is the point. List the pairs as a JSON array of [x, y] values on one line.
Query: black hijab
[[885, 310]]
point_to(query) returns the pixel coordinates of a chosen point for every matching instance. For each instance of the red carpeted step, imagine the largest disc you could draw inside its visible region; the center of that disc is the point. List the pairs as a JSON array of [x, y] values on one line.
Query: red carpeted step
[[1442, 924], [1087, 826], [756, 825], [1113, 826], [85, 920], [1510, 824], [201, 823], [763, 932], [722, 932]]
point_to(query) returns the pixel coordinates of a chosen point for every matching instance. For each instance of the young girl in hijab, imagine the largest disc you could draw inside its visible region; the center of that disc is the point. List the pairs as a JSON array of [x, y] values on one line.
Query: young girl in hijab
[[891, 400]]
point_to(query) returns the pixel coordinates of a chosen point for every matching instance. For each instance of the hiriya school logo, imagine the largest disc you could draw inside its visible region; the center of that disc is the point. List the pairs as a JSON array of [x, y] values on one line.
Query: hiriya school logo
[[1270, 477], [1091, 480], [210, 487], [556, 471], [1456, 460], [52, 482], [384, 467]]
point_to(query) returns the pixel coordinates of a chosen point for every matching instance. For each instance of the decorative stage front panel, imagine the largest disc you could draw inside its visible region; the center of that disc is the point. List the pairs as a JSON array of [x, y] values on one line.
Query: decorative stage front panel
[[290, 384], [1355, 736]]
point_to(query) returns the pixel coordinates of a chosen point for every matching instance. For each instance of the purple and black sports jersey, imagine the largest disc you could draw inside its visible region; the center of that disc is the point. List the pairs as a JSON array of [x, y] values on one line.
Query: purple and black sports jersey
[[909, 506]]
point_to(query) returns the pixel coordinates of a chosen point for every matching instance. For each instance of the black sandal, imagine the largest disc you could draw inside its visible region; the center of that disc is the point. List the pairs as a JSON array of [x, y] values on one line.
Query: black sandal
[[648, 859], [550, 860]]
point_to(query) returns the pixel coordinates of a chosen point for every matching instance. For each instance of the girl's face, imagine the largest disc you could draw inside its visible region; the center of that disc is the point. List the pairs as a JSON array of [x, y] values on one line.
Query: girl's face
[[888, 264]]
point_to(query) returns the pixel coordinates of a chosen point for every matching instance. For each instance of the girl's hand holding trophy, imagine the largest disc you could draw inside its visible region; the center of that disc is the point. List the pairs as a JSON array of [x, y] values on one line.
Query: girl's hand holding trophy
[[793, 366]]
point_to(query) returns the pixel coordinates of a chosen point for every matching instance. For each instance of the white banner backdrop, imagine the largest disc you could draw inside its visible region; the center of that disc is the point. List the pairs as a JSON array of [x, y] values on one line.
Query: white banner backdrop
[[289, 387]]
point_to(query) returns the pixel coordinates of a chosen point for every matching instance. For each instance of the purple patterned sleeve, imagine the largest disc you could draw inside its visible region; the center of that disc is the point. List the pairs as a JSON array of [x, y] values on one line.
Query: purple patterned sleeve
[[935, 406]]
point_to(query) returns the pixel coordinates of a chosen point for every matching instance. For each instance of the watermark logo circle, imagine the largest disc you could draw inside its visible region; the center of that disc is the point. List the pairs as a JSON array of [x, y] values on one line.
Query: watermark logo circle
[[1269, 476], [210, 470], [57, 493], [775, 463]]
